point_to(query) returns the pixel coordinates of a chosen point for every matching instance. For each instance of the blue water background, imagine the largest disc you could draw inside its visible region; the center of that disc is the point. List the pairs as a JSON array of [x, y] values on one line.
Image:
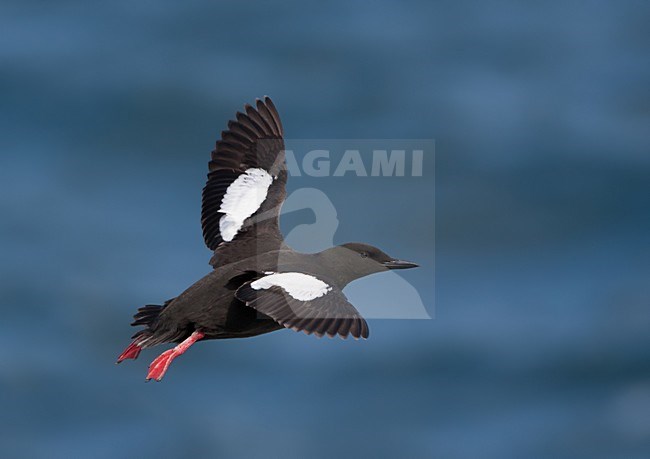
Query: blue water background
[[540, 346]]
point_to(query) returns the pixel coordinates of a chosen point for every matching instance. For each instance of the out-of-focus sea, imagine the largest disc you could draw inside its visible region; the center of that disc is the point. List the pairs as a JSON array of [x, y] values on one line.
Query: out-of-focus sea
[[540, 346]]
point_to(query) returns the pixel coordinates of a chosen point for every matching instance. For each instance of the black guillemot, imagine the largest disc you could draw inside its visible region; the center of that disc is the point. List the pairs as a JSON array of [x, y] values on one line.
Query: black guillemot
[[258, 284]]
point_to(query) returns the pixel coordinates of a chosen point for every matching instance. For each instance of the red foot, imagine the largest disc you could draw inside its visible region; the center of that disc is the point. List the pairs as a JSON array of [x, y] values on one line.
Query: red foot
[[131, 352], [160, 365]]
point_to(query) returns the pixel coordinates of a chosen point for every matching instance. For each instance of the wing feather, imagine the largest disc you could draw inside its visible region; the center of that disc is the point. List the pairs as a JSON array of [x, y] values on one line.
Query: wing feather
[[252, 141], [329, 314]]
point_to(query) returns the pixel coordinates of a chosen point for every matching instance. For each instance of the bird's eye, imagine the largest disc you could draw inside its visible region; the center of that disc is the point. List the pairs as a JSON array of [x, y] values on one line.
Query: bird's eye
[[364, 255]]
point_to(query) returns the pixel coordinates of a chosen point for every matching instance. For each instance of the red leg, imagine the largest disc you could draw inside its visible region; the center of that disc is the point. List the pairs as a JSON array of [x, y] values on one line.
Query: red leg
[[130, 352], [159, 366]]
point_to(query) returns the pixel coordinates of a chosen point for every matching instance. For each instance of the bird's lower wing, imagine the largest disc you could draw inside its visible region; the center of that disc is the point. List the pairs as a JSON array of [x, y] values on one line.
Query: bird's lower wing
[[305, 303]]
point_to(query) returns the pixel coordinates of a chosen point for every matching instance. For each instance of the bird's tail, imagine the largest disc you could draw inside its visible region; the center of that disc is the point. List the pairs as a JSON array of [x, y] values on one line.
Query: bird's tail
[[147, 316]]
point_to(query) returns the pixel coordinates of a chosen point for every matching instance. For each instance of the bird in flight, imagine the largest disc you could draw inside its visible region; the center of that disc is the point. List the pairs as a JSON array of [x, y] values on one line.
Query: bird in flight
[[258, 284]]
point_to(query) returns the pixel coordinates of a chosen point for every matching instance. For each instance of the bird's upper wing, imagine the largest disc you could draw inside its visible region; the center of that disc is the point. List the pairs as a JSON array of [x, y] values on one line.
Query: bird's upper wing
[[305, 303], [246, 185]]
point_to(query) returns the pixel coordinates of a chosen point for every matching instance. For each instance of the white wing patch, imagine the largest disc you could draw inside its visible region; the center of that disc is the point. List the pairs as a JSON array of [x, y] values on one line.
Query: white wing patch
[[302, 287], [242, 199]]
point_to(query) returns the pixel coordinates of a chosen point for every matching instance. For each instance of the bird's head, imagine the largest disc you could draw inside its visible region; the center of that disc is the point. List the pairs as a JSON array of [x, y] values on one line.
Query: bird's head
[[355, 260]]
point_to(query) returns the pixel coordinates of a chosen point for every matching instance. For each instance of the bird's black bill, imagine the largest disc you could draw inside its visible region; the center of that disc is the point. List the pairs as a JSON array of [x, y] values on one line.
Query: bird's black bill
[[400, 264]]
